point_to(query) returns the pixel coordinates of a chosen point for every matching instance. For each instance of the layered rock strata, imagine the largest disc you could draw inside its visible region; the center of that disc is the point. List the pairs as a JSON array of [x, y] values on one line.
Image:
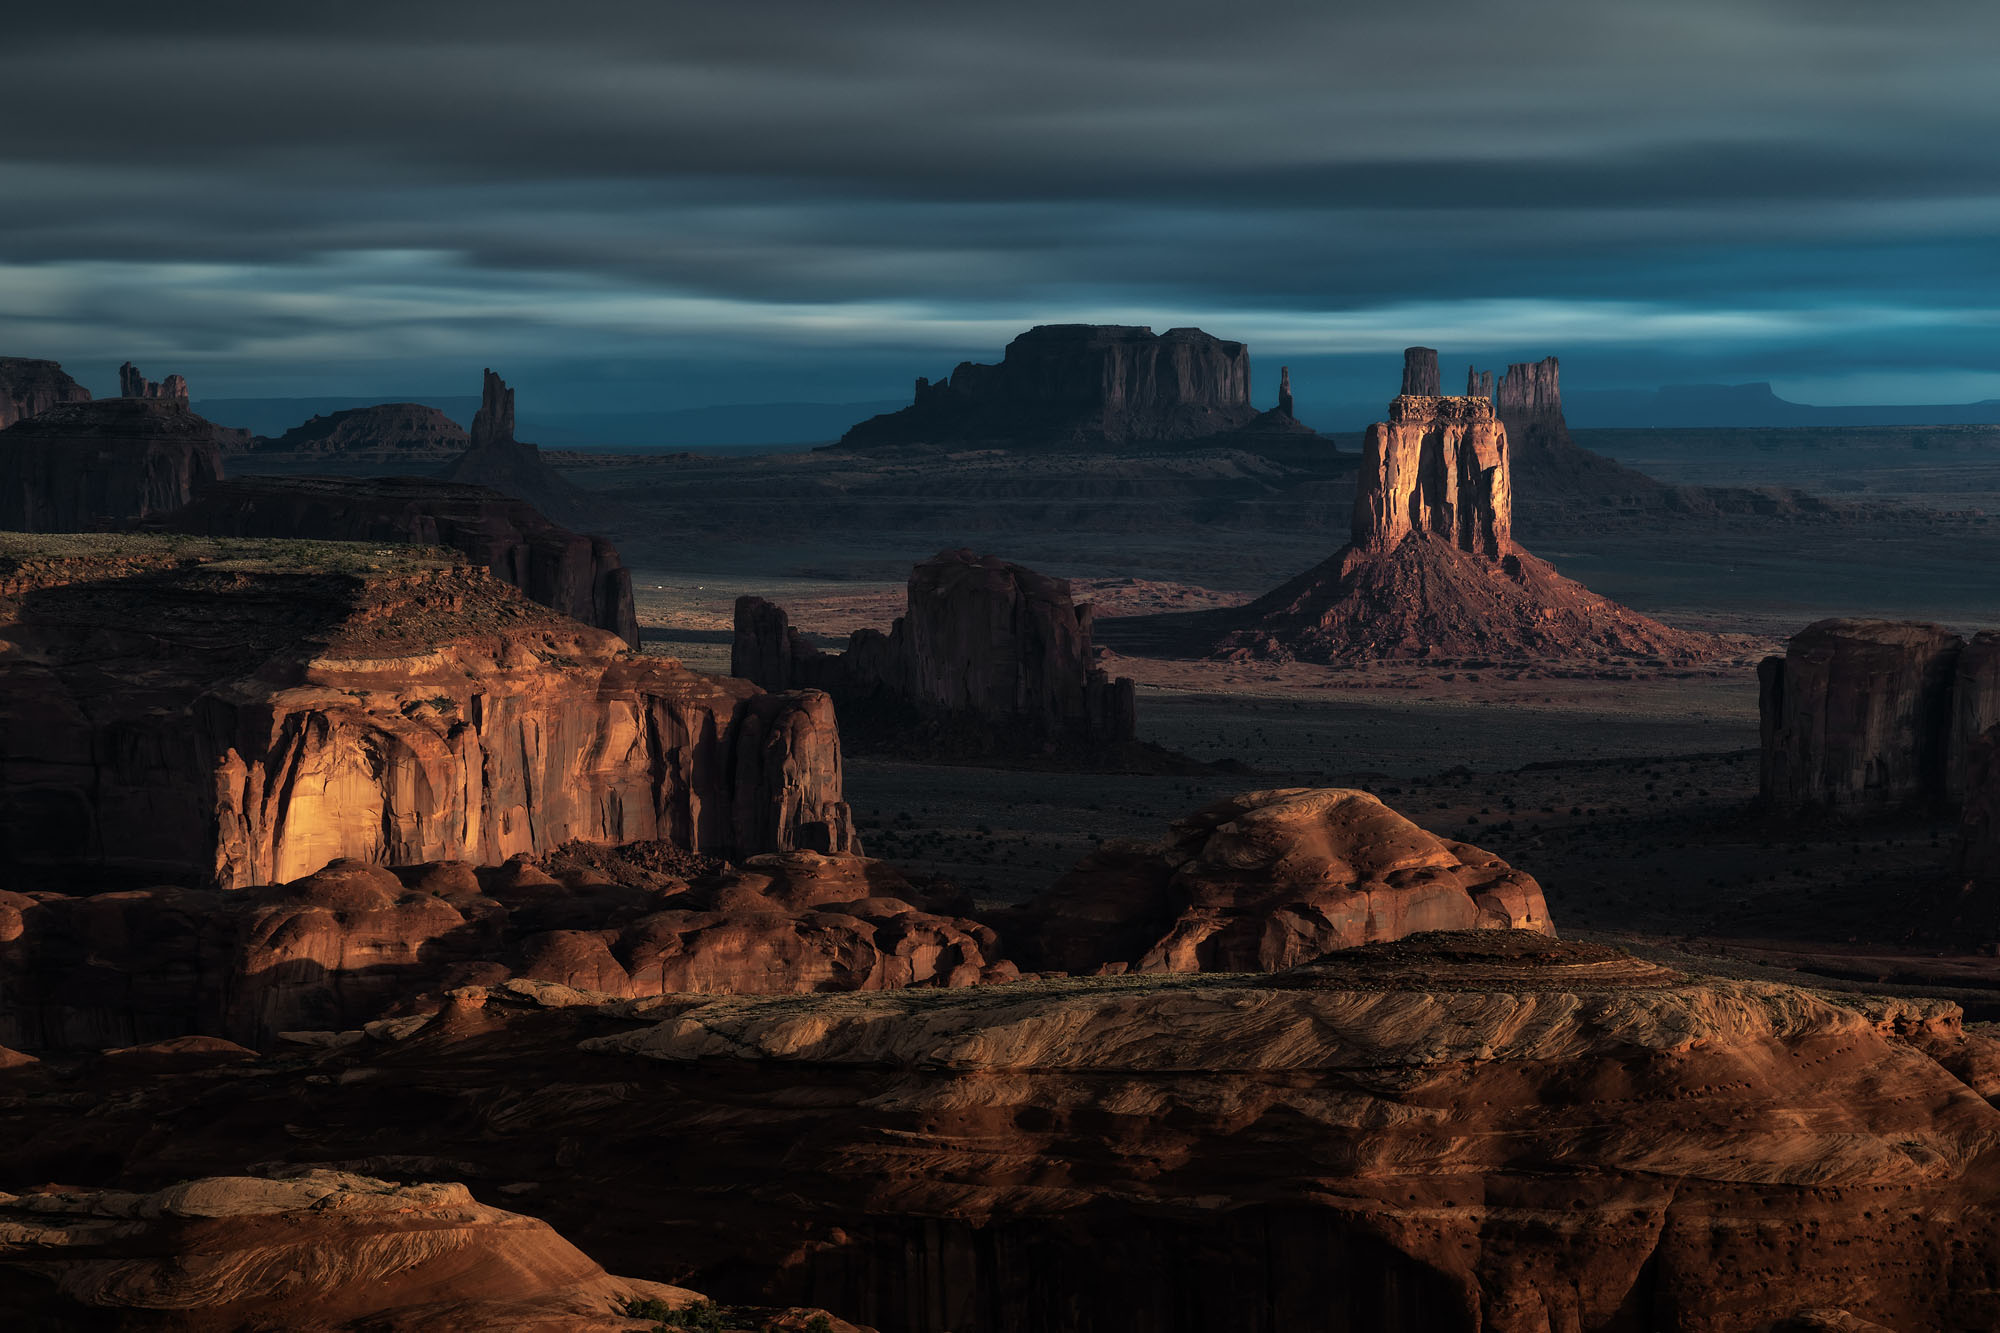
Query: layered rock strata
[[1491, 1132], [243, 712], [1266, 881], [1432, 569], [354, 943], [577, 575], [132, 384], [1863, 714], [29, 387], [385, 433], [1079, 383], [987, 652], [79, 466]]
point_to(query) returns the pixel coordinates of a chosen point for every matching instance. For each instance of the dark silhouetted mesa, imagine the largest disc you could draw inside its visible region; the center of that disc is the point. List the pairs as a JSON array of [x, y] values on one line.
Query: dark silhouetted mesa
[[29, 387], [988, 655], [1875, 713], [241, 712], [131, 384], [493, 457], [387, 433], [1080, 384], [1432, 569], [80, 466], [577, 575]]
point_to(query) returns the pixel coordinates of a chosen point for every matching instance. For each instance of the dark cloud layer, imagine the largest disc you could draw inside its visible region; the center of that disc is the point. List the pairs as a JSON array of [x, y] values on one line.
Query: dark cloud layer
[[695, 199]]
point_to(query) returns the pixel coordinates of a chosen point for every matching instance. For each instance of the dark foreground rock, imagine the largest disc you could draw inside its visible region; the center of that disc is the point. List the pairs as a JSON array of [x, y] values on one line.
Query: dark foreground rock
[[84, 466], [29, 387]]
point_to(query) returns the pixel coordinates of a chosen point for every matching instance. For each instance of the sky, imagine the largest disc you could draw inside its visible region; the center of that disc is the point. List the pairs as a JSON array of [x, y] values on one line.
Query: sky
[[655, 205]]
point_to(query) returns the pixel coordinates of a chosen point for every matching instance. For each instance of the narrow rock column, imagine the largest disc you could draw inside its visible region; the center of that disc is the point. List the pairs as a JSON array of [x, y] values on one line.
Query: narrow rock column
[[1420, 371], [1285, 390]]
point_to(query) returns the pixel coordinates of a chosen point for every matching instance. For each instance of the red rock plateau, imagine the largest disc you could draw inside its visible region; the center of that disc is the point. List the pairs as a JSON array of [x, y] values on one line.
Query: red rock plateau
[[1266, 881], [1489, 1132], [241, 712], [988, 657], [495, 459], [1875, 714], [312, 1250], [79, 466], [354, 943], [386, 433], [1432, 570], [29, 387], [1079, 384], [577, 575]]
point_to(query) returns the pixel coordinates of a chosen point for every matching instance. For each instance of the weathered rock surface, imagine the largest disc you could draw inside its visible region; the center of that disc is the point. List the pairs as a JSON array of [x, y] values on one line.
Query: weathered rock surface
[[353, 943], [1873, 714], [577, 575], [29, 387], [309, 1250], [1431, 568], [494, 458], [385, 433], [131, 384], [1079, 383], [1265, 881], [79, 466], [1420, 373], [1552, 469], [1494, 1131], [243, 712], [988, 654]]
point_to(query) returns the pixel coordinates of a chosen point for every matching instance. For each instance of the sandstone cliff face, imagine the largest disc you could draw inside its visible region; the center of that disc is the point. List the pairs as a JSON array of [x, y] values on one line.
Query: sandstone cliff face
[[388, 433], [131, 384], [80, 466], [577, 575], [29, 387], [1265, 881], [244, 712], [1874, 713], [1484, 1133], [1080, 383], [987, 648], [1432, 568]]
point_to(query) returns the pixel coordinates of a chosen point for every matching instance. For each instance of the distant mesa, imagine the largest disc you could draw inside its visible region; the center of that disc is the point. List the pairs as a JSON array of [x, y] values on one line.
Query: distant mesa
[[1432, 569], [493, 457], [241, 712], [1265, 881], [1079, 384], [131, 384], [29, 387], [988, 658], [386, 433], [578, 575], [80, 466]]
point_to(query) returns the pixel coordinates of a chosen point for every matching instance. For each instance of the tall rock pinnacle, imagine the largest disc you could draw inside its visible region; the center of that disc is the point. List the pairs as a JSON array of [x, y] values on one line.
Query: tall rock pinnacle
[[1285, 390], [494, 422], [1420, 372]]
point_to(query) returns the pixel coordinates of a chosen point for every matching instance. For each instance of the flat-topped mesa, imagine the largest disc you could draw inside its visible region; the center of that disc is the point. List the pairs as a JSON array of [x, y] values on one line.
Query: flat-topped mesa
[[1420, 372], [81, 466], [387, 432], [578, 575], [1530, 390], [131, 384], [326, 700], [1438, 469], [988, 654], [29, 387], [1079, 383], [1871, 714]]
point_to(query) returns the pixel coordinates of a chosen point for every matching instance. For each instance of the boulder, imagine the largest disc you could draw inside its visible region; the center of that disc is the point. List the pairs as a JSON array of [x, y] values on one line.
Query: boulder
[[79, 466], [1265, 881], [29, 387], [1079, 384]]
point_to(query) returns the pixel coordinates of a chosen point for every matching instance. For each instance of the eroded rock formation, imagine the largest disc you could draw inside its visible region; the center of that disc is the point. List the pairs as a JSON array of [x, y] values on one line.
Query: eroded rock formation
[[1420, 373], [312, 1249], [1431, 568], [1079, 383], [385, 433], [1265, 881], [577, 575], [494, 458], [1493, 1132], [987, 654], [131, 384], [29, 387], [353, 943], [1875, 714], [79, 466], [244, 712]]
